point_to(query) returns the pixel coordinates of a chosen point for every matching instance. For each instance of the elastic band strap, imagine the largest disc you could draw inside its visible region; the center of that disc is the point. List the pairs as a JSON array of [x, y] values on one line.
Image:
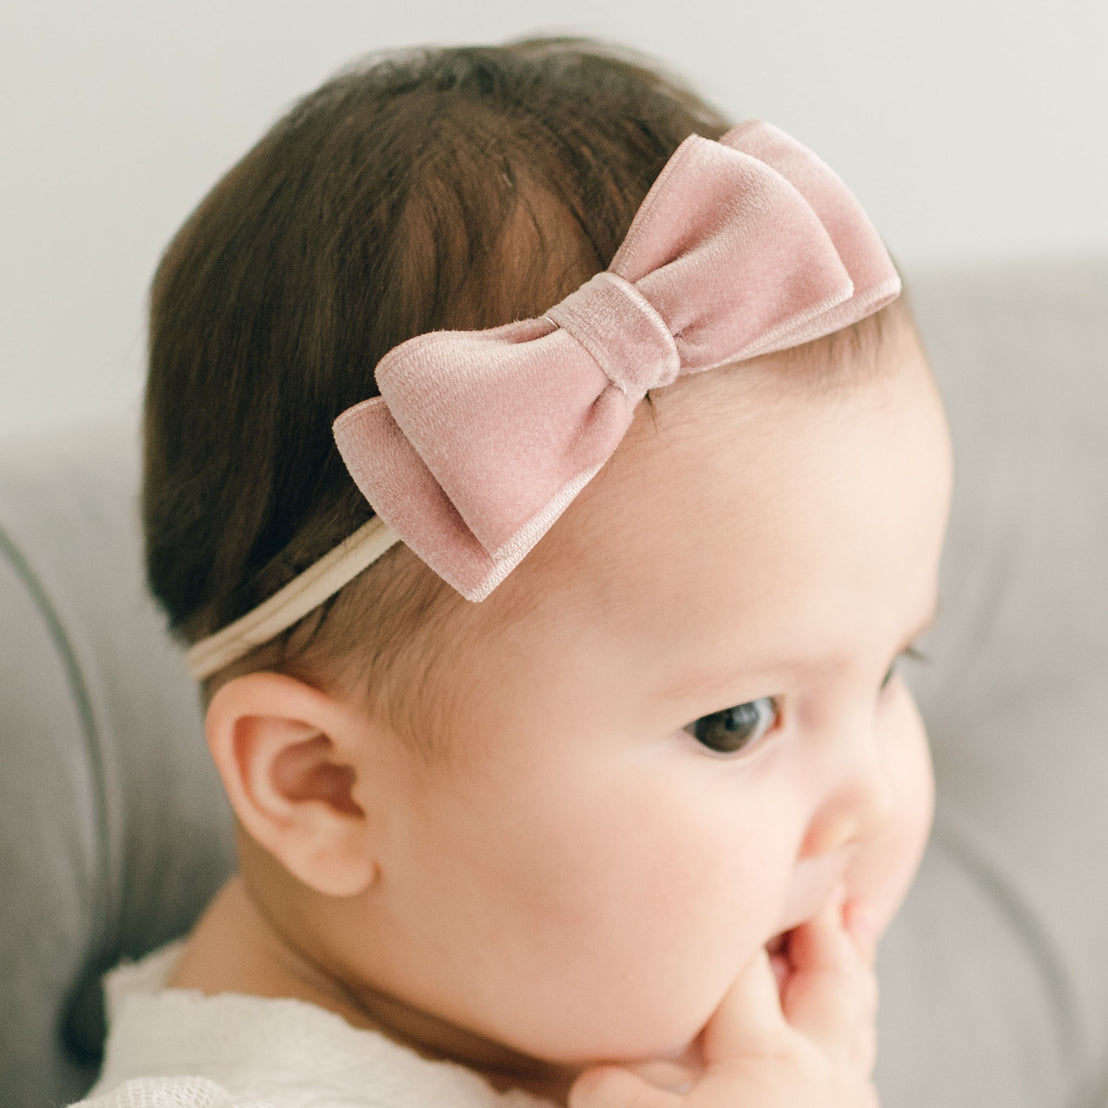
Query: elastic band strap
[[317, 583]]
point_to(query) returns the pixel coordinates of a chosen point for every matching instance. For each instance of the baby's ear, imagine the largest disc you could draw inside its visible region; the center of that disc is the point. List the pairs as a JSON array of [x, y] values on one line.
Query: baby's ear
[[288, 755]]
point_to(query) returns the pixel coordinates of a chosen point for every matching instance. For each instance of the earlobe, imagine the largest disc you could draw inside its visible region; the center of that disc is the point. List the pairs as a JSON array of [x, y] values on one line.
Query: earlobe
[[286, 754]]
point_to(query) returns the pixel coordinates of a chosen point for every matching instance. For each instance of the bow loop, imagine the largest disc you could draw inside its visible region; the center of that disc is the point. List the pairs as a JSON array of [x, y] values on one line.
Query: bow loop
[[480, 440]]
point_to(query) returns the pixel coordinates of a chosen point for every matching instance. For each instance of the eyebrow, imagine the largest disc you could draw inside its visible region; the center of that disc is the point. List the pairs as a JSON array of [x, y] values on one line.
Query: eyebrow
[[704, 684]]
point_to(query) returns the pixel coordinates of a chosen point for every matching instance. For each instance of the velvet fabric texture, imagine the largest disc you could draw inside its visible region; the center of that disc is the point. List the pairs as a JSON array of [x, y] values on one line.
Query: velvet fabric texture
[[481, 439], [994, 985]]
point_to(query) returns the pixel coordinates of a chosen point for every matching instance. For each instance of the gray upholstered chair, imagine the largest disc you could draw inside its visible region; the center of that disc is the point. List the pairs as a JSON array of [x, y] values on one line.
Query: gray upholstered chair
[[113, 832]]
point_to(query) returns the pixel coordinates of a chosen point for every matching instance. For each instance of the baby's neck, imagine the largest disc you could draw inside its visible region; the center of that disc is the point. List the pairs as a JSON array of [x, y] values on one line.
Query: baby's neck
[[235, 949]]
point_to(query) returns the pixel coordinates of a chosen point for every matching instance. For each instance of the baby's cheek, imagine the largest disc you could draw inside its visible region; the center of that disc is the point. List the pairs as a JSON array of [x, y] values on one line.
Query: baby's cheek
[[883, 871]]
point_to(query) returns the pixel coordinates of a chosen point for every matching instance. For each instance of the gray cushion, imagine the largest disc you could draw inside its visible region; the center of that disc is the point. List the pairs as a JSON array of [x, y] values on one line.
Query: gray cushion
[[995, 980], [113, 832]]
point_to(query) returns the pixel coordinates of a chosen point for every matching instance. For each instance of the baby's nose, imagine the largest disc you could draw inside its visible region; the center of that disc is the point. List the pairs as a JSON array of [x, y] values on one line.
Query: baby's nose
[[860, 800]]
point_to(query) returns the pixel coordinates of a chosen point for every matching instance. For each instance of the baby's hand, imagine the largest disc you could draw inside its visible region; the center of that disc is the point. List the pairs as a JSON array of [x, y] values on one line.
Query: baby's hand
[[810, 1043]]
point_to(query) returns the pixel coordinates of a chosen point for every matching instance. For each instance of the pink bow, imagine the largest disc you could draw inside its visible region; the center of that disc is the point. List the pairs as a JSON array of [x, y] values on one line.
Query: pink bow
[[481, 439]]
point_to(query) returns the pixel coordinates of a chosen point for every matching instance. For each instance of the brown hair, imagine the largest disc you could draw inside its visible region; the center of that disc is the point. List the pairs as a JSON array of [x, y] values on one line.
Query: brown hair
[[440, 188]]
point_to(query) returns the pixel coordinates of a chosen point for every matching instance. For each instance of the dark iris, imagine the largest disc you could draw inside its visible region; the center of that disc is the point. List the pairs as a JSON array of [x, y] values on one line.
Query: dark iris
[[734, 728]]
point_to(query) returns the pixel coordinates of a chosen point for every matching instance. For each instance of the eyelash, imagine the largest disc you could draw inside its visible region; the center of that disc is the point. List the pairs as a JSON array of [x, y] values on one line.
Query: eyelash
[[724, 732], [912, 653]]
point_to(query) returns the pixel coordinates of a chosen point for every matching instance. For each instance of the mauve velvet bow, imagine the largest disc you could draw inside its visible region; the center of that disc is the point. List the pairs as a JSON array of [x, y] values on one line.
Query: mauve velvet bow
[[480, 439]]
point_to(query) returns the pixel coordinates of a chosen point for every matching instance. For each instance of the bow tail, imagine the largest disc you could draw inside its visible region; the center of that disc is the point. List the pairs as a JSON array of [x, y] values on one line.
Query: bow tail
[[400, 488]]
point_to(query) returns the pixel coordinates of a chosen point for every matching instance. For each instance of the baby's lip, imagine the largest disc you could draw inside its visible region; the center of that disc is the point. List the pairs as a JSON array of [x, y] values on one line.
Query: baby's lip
[[809, 901]]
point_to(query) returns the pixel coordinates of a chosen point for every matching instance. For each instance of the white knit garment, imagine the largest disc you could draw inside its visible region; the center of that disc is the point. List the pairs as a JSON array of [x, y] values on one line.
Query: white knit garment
[[176, 1048]]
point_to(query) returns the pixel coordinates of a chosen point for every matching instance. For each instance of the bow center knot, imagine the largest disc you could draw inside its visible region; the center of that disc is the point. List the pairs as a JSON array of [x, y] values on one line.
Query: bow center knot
[[622, 332]]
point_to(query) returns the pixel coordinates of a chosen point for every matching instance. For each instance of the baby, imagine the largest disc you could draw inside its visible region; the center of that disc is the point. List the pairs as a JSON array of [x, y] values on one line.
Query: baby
[[549, 480]]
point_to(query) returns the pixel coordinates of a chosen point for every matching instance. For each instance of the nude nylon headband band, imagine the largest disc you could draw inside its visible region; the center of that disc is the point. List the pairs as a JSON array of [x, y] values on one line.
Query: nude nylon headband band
[[479, 440], [305, 592]]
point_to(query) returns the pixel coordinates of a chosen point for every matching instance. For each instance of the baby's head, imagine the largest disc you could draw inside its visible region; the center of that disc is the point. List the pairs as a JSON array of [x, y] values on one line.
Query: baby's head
[[555, 824]]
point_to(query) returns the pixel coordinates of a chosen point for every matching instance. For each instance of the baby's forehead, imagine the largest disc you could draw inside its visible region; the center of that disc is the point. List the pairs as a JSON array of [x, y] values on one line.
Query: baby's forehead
[[756, 421], [741, 534], [739, 485]]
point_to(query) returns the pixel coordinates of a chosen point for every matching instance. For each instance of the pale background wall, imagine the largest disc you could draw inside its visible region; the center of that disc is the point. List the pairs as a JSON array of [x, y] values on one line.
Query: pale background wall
[[970, 128]]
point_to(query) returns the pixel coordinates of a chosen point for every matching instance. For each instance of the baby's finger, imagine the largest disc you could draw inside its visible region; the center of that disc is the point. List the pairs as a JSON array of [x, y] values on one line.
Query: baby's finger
[[831, 995], [862, 929], [749, 1013], [822, 945], [613, 1087]]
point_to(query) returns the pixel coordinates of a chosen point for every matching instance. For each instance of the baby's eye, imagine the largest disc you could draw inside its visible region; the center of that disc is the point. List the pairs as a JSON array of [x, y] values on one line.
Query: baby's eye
[[735, 728]]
